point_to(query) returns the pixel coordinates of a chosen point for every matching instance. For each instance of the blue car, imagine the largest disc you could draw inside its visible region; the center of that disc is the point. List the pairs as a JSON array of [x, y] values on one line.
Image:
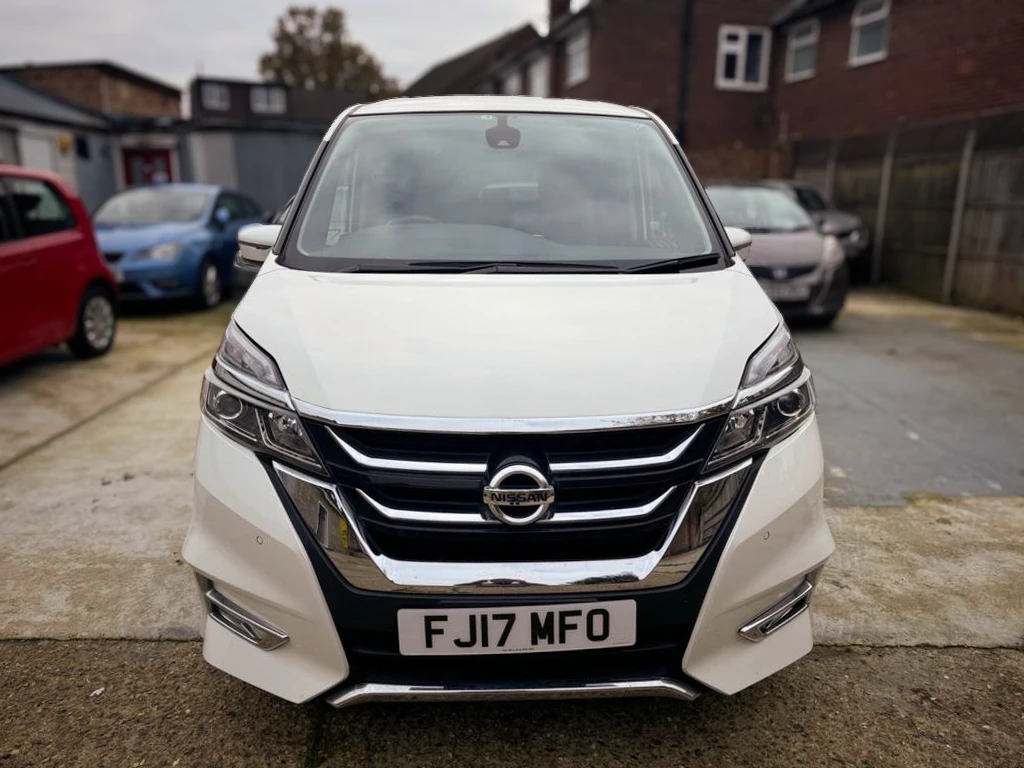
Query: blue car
[[174, 240]]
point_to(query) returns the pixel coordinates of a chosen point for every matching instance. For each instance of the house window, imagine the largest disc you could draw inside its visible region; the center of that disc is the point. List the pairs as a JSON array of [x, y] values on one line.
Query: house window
[[577, 58], [215, 96], [513, 85], [267, 100], [869, 33], [802, 50], [539, 77], [742, 58]]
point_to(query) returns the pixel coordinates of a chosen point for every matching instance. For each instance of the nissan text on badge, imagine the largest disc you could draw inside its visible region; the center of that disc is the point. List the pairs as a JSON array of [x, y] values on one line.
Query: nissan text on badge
[[504, 387]]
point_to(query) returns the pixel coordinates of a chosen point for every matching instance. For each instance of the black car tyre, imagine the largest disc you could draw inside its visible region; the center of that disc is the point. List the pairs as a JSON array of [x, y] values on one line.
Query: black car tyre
[[211, 288], [97, 323]]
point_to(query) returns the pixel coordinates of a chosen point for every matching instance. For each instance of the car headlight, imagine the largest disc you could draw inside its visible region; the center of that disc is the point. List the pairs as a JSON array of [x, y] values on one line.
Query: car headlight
[[776, 396], [161, 252], [832, 253], [245, 397]]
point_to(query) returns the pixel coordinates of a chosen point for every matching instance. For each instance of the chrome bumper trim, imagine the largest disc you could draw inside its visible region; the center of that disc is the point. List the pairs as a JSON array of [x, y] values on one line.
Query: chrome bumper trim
[[366, 569], [382, 692], [779, 615], [460, 518], [242, 623], [511, 425]]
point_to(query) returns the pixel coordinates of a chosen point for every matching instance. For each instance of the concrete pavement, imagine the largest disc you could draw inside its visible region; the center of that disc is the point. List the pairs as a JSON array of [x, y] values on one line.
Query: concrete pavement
[[924, 443], [116, 703]]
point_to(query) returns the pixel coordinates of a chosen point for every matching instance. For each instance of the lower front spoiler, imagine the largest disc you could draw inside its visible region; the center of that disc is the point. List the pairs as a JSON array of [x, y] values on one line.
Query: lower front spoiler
[[387, 692]]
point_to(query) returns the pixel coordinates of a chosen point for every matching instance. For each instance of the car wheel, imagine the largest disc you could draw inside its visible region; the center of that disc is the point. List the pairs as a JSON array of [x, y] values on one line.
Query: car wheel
[[211, 290], [97, 324]]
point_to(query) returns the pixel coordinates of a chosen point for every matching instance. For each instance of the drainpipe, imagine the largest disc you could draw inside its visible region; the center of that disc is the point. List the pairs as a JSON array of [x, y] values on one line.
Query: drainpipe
[[685, 55]]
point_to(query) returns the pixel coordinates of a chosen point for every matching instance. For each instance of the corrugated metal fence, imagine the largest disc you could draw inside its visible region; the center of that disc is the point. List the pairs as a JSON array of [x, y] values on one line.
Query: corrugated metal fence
[[945, 204]]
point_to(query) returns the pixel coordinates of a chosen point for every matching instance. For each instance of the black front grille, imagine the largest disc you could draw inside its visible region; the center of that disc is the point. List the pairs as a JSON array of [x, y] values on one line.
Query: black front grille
[[780, 273], [113, 257], [481, 540]]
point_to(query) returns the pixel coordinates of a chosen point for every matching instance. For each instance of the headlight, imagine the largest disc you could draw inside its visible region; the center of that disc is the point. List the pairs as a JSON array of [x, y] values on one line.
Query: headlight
[[240, 353], [832, 253], [162, 252], [776, 396], [245, 397]]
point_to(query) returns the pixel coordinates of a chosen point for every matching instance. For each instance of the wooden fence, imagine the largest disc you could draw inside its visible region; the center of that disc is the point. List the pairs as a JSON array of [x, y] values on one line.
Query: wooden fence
[[944, 203]]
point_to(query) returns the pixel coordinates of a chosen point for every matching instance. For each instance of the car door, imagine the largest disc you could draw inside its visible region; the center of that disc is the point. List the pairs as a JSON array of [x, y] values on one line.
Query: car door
[[53, 250]]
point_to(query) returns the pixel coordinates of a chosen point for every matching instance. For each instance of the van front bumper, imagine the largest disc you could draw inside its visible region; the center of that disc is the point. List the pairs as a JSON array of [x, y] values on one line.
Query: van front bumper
[[273, 585]]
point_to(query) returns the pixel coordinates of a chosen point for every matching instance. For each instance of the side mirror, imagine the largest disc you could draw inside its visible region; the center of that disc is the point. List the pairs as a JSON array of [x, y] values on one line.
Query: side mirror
[[740, 240], [222, 216], [255, 242]]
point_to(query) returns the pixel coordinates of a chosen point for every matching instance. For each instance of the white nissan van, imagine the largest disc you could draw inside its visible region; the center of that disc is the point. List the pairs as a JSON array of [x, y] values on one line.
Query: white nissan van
[[504, 415]]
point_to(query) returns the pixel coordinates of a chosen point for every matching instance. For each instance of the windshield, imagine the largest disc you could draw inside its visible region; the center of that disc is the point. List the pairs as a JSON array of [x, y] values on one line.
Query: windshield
[[152, 205], [457, 190], [758, 209]]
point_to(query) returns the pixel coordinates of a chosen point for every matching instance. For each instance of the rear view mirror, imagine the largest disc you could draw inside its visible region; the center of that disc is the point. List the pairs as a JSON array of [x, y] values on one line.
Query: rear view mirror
[[740, 240], [255, 242]]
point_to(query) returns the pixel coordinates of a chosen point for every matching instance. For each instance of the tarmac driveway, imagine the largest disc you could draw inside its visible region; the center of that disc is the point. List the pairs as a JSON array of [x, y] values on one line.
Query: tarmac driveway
[[921, 619]]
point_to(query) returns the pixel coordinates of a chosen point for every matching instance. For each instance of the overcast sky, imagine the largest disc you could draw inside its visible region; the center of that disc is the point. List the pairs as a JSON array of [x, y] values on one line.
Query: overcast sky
[[172, 39]]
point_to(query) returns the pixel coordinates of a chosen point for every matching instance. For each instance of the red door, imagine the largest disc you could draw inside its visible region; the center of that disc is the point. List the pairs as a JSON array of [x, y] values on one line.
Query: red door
[[146, 166]]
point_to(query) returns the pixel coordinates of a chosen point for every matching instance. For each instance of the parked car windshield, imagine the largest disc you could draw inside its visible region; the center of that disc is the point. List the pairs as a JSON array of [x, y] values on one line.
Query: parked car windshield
[[151, 205], [758, 209], [461, 190]]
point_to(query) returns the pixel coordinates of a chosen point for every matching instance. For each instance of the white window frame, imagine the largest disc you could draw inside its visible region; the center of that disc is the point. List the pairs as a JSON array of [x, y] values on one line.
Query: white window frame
[[215, 96], [858, 20], [512, 84], [795, 43], [262, 103], [577, 50], [739, 49], [539, 70]]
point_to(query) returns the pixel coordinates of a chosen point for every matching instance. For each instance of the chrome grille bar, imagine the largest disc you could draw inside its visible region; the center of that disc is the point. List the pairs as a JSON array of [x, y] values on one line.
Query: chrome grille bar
[[410, 465], [639, 461], [580, 516]]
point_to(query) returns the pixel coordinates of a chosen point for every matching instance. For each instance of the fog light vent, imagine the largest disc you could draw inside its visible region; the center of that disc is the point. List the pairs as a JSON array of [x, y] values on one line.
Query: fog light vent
[[779, 615], [239, 621]]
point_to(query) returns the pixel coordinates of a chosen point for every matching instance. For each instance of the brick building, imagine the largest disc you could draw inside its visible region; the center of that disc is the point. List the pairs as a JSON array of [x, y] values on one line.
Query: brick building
[[741, 80], [221, 99], [102, 86]]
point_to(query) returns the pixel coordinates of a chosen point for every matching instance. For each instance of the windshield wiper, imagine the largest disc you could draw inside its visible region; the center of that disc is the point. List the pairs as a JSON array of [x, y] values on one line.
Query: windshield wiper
[[464, 267], [677, 264]]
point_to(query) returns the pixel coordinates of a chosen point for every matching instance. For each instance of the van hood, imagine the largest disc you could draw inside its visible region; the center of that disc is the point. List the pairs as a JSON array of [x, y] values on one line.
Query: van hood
[[508, 346]]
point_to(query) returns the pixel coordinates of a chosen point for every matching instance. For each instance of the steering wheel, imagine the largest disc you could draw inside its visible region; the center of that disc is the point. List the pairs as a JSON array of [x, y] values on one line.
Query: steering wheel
[[413, 219]]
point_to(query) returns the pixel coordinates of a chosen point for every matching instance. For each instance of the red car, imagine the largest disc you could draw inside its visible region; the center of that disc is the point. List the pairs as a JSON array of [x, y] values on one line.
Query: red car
[[54, 285]]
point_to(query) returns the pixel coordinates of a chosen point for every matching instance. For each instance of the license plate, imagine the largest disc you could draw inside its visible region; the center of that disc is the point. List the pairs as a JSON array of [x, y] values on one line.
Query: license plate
[[521, 629], [778, 291]]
